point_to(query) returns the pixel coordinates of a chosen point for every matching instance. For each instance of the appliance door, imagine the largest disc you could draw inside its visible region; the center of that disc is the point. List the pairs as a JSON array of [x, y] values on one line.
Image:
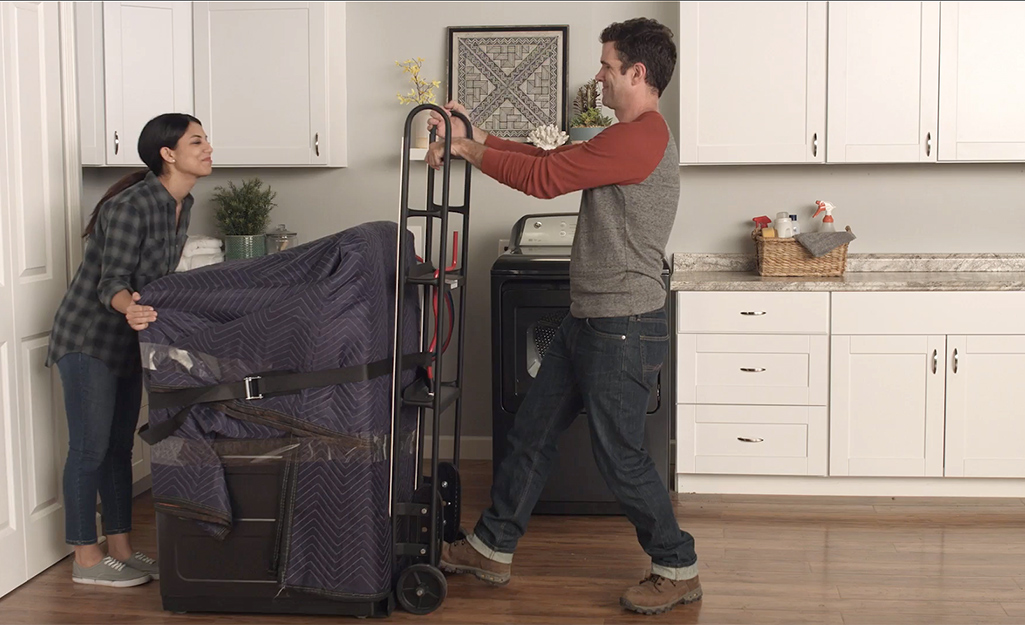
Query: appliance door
[[530, 313]]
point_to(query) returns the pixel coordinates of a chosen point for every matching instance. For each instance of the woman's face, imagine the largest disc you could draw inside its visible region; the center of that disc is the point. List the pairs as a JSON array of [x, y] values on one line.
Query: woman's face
[[193, 155]]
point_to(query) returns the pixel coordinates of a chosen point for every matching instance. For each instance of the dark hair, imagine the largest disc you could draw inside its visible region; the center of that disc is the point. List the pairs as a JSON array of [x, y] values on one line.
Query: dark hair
[[163, 131], [643, 40]]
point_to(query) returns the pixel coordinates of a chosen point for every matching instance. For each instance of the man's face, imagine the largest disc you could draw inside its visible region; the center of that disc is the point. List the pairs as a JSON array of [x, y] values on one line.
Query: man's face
[[614, 84]]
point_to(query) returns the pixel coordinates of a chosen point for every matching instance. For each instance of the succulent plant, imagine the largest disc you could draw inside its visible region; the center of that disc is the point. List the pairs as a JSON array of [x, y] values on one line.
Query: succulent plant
[[587, 107]]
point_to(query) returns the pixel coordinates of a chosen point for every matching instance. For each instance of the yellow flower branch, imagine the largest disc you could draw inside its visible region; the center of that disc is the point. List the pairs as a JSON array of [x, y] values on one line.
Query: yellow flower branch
[[422, 91]]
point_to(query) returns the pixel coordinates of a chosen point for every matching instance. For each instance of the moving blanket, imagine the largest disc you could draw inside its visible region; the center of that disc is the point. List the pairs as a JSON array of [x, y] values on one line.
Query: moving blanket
[[324, 305]]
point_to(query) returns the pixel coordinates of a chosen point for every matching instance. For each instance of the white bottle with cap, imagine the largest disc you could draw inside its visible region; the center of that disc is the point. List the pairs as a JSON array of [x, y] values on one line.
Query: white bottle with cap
[[784, 227]]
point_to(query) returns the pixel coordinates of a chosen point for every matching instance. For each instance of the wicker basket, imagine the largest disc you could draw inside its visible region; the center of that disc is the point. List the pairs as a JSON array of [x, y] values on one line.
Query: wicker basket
[[787, 257]]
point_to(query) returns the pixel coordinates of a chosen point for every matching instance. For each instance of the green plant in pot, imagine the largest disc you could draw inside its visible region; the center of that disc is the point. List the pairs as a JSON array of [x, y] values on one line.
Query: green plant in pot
[[243, 214], [587, 120]]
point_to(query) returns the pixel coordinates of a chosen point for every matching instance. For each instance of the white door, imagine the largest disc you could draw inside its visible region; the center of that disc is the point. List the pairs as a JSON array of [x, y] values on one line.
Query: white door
[[12, 527], [140, 451], [261, 81], [147, 57], [985, 400], [883, 81], [38, 268], [886, 406], [982, 70], [753, 82]]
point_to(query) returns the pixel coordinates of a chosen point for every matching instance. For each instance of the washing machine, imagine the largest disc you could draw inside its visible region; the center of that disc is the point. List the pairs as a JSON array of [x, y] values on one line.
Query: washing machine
[[529, 298]]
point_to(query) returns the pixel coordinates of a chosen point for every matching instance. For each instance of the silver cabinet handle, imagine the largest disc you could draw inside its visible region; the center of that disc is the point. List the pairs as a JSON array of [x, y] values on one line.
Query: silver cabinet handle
[[935, 360], [749, 440], [316, 143], [752, 312], [928, 143], [955, 360], [752, 369], [815, 144], [117, 142]]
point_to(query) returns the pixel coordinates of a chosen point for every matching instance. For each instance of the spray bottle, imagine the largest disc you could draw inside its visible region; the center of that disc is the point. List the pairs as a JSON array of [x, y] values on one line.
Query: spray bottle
[[827, 221]]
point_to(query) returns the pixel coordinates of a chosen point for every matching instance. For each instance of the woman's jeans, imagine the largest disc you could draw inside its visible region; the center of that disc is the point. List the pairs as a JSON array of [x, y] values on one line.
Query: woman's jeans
[[606, 367], [103, 410]]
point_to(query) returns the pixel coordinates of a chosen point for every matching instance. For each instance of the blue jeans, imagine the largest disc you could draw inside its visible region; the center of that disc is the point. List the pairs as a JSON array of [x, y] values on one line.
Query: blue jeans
[[103, 410], [606, 366]]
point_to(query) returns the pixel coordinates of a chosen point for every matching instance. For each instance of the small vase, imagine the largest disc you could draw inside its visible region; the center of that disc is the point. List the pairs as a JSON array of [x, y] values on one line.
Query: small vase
[[583, 133], [421, 138], [244, 246]]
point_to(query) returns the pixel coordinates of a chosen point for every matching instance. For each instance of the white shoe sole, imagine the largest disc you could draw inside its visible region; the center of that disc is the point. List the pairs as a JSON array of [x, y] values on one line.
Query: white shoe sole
[[125, 583]]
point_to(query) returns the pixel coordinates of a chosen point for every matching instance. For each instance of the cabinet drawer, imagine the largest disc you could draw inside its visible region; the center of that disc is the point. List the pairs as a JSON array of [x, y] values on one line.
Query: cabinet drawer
[[759, 369], [752, 311], [755, 440], [929, 312]]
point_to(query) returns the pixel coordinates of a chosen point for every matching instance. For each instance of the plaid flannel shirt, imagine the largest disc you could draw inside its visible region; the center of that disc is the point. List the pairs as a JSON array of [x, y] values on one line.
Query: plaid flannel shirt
[[134, 242]]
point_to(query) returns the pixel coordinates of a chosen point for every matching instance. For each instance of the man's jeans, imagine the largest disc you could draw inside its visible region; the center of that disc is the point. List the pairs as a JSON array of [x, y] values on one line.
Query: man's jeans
[[103, 411], [606, 366]]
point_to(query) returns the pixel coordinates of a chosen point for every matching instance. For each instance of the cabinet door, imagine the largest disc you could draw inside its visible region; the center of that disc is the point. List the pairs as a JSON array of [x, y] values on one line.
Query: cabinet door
[[886, 406], [985, 395], [35, 190], [753, 82], [883, 81], [12, 527], [982, 70], [261, 81], [89, 74], [147, 58], [140, 455]]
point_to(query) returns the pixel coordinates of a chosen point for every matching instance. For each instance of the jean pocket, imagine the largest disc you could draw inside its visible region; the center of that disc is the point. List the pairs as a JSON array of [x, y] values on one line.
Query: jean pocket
[[609, 327]]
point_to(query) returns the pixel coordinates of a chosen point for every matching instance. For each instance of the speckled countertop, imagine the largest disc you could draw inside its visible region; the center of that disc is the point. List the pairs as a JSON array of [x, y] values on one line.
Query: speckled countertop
[[865, 272]]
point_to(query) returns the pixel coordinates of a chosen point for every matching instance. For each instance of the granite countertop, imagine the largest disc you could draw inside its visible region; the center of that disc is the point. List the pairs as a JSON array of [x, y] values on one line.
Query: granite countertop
[[865, 272]]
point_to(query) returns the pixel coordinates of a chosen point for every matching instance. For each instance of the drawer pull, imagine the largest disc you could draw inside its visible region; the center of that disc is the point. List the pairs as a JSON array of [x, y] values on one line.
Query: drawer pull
[[752, 369], [753, 313], [749, 440]]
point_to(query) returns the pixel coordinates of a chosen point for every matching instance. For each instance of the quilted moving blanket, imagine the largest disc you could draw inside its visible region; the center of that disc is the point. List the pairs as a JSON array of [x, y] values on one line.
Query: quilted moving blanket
[[325, 305]]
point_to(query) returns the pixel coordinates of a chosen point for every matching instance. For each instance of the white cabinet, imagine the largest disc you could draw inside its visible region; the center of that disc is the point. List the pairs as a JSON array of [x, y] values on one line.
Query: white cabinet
[[144, 70], [752, 383], [883, 82], [33, 278], [886, 405], [270, 81], [140, 450], [985, 406], [918, 389], [753, 82], [982, 70]]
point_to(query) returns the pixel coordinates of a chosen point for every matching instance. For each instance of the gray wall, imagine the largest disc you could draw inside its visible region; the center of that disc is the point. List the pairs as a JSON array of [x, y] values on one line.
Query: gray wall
[[906, 208]]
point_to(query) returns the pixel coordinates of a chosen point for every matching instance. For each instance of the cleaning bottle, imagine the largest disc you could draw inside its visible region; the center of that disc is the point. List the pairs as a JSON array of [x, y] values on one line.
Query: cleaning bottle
[[784, 227], [827, 221]]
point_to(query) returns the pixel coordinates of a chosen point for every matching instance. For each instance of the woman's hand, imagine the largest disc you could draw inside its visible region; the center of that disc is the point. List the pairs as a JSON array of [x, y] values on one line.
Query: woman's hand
[[138, 316]]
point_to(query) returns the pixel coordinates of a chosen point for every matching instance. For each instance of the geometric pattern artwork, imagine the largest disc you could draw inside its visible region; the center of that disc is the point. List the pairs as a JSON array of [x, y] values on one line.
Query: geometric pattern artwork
[[511, 79]]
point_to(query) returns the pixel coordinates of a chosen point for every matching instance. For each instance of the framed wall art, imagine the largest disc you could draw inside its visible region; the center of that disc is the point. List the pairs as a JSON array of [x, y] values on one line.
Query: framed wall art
[[511, 79]]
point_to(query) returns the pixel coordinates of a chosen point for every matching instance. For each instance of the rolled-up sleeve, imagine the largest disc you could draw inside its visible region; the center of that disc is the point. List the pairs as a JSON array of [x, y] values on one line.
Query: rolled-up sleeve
[[123, 227]]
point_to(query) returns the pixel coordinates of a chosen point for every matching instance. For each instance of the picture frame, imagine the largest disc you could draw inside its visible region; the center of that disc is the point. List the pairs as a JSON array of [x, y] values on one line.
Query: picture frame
[[511, 79]]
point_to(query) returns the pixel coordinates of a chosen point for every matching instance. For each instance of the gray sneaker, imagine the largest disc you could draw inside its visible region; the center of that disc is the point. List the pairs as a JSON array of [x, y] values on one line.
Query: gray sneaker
[[142, 562], [109, 572]]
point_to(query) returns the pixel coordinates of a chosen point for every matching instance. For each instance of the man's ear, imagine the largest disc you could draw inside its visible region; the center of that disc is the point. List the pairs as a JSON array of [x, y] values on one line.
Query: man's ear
[[638, 73]]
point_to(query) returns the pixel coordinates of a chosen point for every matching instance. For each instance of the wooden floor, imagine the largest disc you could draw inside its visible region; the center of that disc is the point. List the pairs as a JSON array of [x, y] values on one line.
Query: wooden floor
[[762, 560]]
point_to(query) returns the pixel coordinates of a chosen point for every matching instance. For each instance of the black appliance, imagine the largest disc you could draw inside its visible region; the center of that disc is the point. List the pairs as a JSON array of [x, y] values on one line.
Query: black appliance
[[529, 298]]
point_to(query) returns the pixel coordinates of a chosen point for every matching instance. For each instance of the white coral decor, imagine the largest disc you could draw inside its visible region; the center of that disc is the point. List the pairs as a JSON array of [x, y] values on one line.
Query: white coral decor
[[547, 137]]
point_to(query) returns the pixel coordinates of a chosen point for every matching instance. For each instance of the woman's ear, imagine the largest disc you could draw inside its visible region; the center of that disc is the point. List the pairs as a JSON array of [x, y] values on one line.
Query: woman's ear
[[167, 155]]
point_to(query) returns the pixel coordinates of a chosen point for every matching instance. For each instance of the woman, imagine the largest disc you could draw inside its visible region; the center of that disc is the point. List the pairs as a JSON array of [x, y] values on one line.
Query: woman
[[136, 235]]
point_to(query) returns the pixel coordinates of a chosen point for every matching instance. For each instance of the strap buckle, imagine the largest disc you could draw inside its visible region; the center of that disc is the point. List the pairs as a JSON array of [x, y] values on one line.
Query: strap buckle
[[252, 389]]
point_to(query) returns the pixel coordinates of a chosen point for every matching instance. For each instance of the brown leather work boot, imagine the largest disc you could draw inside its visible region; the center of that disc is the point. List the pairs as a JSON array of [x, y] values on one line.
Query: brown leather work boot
[[461, 557], [656, 594]]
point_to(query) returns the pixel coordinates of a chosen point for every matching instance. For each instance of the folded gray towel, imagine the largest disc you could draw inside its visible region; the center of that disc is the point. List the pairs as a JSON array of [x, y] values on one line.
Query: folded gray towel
[[821, 243]]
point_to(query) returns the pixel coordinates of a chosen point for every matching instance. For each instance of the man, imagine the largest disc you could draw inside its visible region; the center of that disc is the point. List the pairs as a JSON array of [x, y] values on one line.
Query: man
[[606, 354]]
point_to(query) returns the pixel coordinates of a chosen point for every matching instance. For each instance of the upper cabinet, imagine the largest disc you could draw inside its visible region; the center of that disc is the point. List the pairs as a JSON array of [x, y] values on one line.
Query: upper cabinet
[[267, 80], [753, 77], [134, 63], [982, 70], [264, 78], [883, 73]]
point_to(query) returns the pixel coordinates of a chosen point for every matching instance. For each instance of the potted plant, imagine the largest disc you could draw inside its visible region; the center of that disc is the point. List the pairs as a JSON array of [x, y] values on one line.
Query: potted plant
[[242, 215], [587, 120], [422, 92]]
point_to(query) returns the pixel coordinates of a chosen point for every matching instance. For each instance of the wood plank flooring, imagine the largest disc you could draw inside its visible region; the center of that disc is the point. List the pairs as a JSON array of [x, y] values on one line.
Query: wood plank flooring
[[763, 560]]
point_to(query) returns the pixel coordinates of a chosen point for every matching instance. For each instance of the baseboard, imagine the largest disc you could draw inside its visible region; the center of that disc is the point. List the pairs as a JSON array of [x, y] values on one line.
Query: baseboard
[[849, 486], [470, 447]]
